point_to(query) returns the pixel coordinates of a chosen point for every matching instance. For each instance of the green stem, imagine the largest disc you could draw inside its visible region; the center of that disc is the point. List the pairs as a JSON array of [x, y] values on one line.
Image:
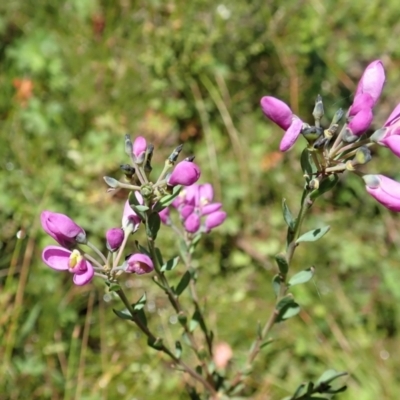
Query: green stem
[[162, 347]]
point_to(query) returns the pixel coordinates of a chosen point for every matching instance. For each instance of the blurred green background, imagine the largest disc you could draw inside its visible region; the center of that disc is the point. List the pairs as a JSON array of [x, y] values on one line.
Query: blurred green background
[[76, 75]]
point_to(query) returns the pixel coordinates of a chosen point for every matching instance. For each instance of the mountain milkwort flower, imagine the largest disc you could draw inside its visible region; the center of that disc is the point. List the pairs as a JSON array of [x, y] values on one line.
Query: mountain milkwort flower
[[114, 238], [385, 190], [389, 134], [129, 216], [138, 263], [62, 229], [139, 149], [280, 113], [185, 173], [62, 259]]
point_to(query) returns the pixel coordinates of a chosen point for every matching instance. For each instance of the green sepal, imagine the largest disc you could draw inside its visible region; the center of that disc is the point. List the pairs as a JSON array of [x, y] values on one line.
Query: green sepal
[[123, 314], [286, 308], [167, 200], [183, 283], [282, 263], [276, 284], [156, 343], [153, 223], [307, 164], [302, 277], [170, 264], [287, 216], [312, 236], [327, 184]]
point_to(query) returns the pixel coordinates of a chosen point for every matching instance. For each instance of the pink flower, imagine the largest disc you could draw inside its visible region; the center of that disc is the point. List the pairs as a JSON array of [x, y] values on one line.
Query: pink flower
[[114, 237], [214, 219], [138, 263], [139, 149], [280, 113], [62, 259], [129, 217], [164, 216], [389, 134], [371, 81], [185, 173], [364, 100], [62, 229], [192, 223], [360, 122], [385, 190]]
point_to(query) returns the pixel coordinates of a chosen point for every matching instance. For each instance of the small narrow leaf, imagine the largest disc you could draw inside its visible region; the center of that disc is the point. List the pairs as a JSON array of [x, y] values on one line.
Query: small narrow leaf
[[178, 349], [153, 225], [302, 276], [156, 343], [123, 314], [282, 263], [287, 308], [313, 235], [114, 287], [159, 256], [170, 264], [183, 283], [141, 315], [139, 305], [287, 215], [276, 284], [307, 164], [167, 200], [330, 375]]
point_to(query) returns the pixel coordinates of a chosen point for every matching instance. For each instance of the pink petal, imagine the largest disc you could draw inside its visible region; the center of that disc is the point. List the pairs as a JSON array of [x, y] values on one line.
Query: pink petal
[[56, 257], [372, 80], [385, 190], [277, 111], [393, 143], [291, 135], [85, 277]]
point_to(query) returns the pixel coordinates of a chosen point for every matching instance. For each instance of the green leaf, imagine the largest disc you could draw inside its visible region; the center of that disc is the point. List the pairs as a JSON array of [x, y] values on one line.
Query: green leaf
[[124, 314], [302, 276], [327, 184], [287, 308], [282, 263], [159, 256], [139, 305], [170, 264], [153, 224], [312, 236], [178, 349], [141, 315], [287, 215], [330, 375], [167, 200], [114, 287], [276, 284], [142, 249], [299, 391], [141, 208], [156, 343], [183, 283]]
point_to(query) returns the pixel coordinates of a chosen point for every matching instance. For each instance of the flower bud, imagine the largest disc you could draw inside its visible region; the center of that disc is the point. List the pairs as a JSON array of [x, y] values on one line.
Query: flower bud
[[318, 111], [138, 263], [62, 229], [185, 173], [372, 81], [139, 149], [114, 237], [385, 190]]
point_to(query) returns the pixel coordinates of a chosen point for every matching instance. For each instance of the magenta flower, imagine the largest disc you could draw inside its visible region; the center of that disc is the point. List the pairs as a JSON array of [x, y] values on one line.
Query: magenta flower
[[371, 81], [62, 229], [280, 113], [138, 263], [192, 223], [129, 217], [139, 149], [214, 219], [185, 173], [385, 190], [62, 259], [362, 101], [114, 237], [389, 134], [360, 122]]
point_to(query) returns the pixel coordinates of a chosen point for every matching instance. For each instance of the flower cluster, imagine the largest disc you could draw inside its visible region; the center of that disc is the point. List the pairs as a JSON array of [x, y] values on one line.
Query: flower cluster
[[196, 210], [335, 150], [147, 203]]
